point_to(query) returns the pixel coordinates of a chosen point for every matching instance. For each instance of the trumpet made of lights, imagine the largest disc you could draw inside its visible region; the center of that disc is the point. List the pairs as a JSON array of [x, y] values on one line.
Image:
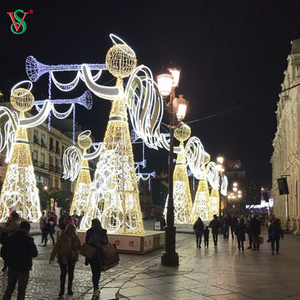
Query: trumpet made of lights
[[75, 163], [114, 194], [181, 192]]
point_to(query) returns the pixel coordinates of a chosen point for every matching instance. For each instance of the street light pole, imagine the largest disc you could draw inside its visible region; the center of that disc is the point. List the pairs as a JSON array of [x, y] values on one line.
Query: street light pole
[[166, 85]]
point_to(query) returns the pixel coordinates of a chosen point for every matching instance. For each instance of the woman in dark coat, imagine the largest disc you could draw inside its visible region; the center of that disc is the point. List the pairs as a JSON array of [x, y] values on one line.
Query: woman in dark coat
[[275, 232], [96, 236], [240, 230]]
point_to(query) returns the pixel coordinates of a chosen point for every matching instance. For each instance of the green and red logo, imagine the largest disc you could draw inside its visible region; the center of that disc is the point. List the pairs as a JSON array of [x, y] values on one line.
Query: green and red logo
[[17, 18]]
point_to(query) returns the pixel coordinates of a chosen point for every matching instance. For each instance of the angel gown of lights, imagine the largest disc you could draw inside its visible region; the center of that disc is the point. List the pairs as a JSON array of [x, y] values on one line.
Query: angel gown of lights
[[181, 191], [19, 191], [201, 203], [114, 193], [80, 199]]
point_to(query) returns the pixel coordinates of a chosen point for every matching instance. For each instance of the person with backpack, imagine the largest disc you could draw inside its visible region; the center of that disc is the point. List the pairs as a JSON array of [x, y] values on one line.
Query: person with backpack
[[275, 232], [215, 225], [18, 251]]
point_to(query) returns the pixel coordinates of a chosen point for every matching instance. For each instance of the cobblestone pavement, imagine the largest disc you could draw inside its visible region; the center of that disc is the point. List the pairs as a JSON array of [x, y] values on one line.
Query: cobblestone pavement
[[220, 273]]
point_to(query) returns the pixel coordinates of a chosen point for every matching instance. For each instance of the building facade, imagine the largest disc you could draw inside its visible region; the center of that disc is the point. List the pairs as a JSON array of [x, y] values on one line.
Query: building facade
[[286, 144]]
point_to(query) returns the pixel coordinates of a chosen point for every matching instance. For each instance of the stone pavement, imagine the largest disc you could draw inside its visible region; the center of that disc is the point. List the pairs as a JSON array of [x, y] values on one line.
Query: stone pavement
[[220, 273]]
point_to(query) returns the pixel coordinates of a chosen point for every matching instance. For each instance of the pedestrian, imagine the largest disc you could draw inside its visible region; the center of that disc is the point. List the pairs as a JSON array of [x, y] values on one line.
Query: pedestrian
[[225, 227], [61, 221], [80, 219], [248, 226], [255, 232], [12, 226], [162, 222], [275, 232], [232, 223], [96, 236], [43, 220], [18, 251], [66, 250], [206, 236], [215, 225], [198, 229], [75, 217], [240, 230], [49, 229]]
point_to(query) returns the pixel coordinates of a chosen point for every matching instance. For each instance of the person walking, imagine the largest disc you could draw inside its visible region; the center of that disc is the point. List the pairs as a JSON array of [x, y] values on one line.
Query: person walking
[[275, 232], [225, 227], [12, 226], [255, 232], [248, 227], [96, 236], [206, 236], [49, 229], [43, 221], [66, 250], [240, 230], [18, 251], [232, 223], [215, 225], [80, 219], [198, 228]]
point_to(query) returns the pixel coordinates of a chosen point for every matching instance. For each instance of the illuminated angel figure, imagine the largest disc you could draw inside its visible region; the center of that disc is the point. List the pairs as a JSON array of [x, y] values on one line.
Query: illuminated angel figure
[[181, 187], [76, 164], [115, 197], [19, 191]]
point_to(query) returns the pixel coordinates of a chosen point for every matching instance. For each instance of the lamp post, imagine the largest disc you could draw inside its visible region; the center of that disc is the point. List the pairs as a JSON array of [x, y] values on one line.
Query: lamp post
[[167, 84], [235, 196], [221, 170]]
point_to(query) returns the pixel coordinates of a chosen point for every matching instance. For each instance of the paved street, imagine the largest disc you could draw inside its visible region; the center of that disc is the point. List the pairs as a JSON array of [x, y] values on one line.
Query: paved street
[[212, 274]]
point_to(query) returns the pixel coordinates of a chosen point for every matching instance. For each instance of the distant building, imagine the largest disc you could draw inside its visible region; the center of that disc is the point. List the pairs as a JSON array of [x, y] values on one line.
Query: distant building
[[286, 155]]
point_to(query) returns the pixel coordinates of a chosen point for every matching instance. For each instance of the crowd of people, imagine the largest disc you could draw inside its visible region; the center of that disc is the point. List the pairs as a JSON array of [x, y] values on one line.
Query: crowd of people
[[18, 249], [239, 227]]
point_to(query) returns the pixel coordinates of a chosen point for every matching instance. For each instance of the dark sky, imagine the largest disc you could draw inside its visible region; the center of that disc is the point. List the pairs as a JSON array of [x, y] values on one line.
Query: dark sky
[[232, 55]]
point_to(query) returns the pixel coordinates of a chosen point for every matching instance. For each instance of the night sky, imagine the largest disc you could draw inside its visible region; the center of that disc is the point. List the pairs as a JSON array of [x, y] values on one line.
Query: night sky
[[232, 55]]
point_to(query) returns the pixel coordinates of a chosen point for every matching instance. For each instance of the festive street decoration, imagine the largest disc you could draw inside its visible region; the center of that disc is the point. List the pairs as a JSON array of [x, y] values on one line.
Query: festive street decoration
[[181, 194], [75, 163], [114, 193], [19, 191]]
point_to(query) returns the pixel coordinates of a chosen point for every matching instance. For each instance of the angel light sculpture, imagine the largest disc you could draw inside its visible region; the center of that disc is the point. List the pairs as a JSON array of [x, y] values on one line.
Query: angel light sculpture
[[19, 191], [115, 200], [181, 191], [76, 165]]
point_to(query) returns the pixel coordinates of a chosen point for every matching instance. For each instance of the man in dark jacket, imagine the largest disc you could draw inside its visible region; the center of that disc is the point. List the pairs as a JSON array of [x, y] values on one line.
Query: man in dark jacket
[[18, 251], [232, 223], [215, 225], [255, 232]]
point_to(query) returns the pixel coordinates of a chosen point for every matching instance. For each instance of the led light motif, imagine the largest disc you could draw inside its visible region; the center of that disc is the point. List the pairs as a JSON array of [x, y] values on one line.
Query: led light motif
[[19, 189], [114, 194], [214, 203], [181, 190]]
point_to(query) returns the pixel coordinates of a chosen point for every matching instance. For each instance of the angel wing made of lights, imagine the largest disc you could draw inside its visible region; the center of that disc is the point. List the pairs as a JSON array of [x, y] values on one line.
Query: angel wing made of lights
[[8, 127], [212, 175], [72, 159]]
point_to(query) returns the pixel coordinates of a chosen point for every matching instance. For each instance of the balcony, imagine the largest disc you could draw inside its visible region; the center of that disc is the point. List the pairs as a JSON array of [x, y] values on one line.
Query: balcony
[[36, 140], [40, 164]]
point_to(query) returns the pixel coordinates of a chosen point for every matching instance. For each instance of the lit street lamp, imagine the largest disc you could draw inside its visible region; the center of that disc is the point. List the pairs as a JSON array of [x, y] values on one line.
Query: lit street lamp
[[221, 170], [167, 84], [235, 196]]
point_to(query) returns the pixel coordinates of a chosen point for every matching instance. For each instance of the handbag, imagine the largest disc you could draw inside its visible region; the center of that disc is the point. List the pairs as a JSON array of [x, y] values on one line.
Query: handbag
[[260, 240], [110, 256], [87, 250]]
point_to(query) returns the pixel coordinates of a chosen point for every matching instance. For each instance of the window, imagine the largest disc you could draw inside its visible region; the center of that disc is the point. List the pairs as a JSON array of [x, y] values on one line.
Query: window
[[51, 144]]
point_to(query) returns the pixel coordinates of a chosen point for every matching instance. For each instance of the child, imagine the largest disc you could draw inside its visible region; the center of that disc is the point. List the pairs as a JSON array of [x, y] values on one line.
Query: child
[[206, 236]]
